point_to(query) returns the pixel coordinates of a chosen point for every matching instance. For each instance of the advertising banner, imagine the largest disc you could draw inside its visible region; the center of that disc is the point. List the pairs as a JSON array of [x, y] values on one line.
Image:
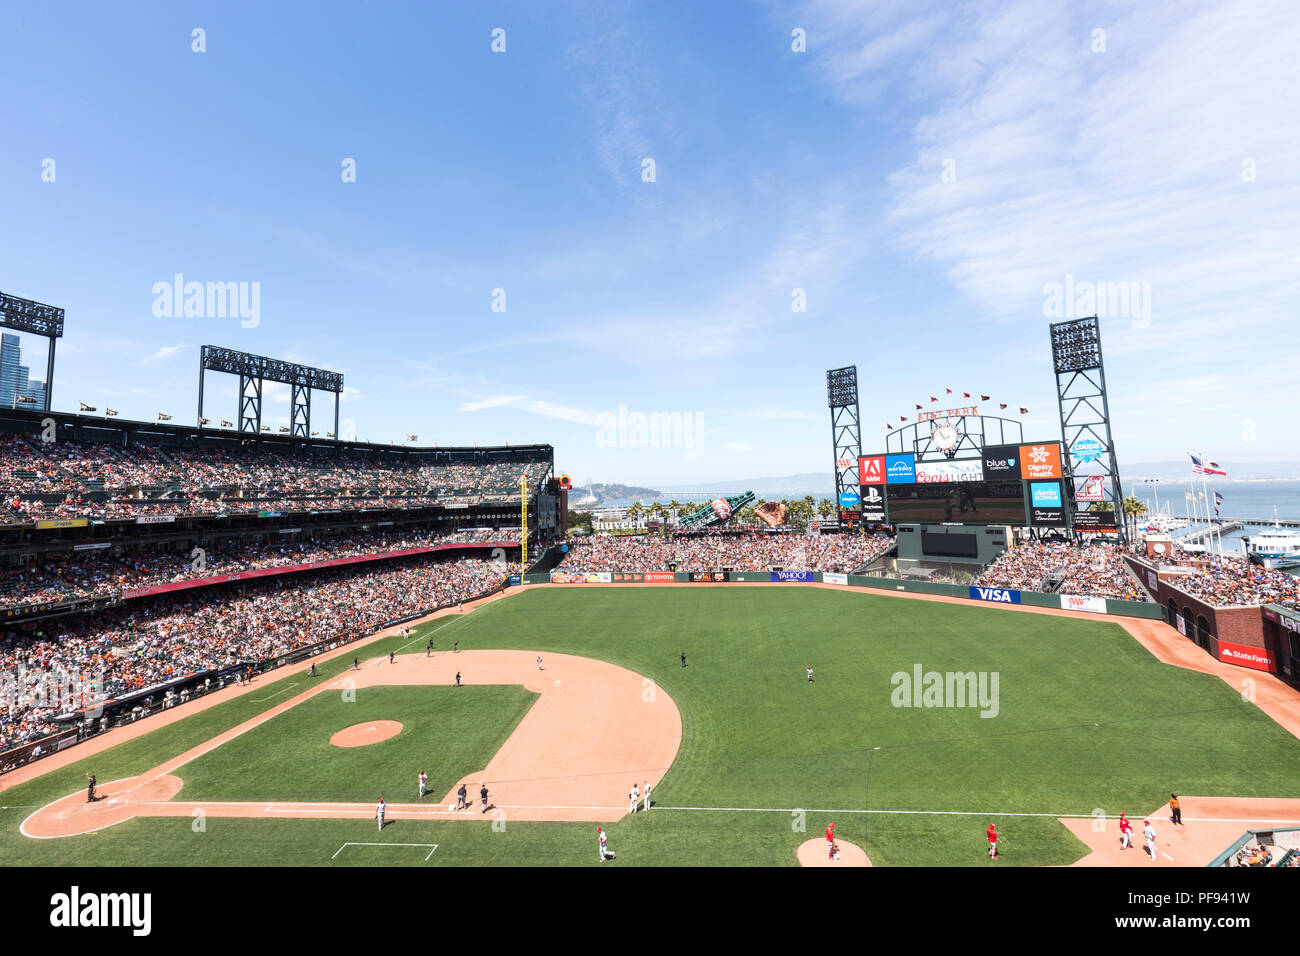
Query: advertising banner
[[1153, 581], [849, 499], [1087, 449], [155, 519], [1040, 461], [1182, 625], [580, 577], [792, 576], [931, 472], [1075, 602], [1092, 489], [659, 577], [516, 580], [706, 576], [1094, 521], [1045, 505], [996, 595], [871, 470], [1001, 461], [1257, 658], [873, 504], [900, 469], [830, 577], [62, 523]]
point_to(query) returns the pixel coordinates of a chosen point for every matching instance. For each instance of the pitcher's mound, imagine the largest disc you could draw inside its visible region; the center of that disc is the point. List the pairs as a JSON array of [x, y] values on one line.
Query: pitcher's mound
[[813, 853], [371, 732]]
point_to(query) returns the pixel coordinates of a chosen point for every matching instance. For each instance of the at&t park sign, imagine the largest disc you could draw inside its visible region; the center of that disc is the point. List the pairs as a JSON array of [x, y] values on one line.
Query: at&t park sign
[[970, 411]]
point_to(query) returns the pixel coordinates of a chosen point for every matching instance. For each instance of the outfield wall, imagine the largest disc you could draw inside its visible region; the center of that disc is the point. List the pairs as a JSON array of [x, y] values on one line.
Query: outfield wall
[[1101, 606]]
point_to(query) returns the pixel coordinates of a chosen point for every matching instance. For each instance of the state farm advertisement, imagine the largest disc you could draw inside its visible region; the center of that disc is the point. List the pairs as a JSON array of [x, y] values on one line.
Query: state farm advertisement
[[1257, 658], [934, 472], [1040, 461]]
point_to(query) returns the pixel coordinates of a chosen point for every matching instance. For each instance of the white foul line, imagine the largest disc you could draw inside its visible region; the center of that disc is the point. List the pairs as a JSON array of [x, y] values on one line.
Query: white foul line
[[258, 700], [426, 859]]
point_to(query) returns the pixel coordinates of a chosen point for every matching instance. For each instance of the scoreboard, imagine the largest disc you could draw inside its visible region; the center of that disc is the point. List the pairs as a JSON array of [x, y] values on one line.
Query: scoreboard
[[1020, 484]]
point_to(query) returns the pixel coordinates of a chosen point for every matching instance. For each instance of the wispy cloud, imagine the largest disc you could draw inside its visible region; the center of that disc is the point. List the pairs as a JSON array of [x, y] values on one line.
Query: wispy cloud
[[493, 401], [164, 353]]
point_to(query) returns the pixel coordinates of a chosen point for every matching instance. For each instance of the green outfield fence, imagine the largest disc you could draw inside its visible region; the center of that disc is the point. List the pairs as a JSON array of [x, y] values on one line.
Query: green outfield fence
[[1140, 609]]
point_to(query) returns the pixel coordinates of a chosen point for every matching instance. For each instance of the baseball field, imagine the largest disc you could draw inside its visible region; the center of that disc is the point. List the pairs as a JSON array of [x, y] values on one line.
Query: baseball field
[[1051, 727]]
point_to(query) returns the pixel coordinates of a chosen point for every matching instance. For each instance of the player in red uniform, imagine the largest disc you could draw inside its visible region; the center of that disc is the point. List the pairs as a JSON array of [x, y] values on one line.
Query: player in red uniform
[[992, 834], [830, 842]]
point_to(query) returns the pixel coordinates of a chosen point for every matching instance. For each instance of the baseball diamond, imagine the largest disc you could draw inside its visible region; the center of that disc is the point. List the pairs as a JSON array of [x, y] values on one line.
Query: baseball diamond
[[745, 757]]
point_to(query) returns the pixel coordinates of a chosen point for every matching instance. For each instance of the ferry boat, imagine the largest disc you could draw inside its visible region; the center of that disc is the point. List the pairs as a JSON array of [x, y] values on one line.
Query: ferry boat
[[1275, 547]]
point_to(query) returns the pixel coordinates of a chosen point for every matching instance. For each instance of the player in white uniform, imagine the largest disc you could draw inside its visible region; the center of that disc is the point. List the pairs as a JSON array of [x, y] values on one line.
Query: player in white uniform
[[604, 845], [633, 795], [1149, 833], [424, 779], [647, 794], [380, 810]]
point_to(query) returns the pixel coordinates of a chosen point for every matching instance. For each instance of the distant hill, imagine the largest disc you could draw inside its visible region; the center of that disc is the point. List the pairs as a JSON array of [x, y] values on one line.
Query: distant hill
[[613, 492], [1237, 471]]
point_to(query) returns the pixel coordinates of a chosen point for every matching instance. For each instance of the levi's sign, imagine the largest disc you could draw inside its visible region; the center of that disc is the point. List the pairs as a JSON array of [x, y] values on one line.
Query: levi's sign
[[997, 595]]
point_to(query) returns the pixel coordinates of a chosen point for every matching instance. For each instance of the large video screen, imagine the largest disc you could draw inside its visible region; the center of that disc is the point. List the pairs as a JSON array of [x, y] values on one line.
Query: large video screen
[[949, 545], [966, 502]]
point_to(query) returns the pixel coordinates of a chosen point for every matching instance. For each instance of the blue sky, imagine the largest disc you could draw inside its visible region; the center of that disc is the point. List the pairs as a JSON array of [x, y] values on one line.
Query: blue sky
[[922, 172]]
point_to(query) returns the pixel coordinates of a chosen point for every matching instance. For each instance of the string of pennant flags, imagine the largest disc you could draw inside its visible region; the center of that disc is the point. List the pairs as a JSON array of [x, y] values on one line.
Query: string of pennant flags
[[934, 400]]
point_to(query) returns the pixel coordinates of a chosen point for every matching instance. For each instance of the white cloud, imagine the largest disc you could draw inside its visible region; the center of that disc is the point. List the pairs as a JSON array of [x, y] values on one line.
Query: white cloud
[[166, 352], [494, 401]]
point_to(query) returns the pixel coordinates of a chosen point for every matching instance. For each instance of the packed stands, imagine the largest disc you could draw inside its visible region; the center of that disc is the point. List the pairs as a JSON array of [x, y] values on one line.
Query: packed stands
[[1231, 581], [740, 552], [1096, 570], [103, 573], [68, 479], [150, 642]]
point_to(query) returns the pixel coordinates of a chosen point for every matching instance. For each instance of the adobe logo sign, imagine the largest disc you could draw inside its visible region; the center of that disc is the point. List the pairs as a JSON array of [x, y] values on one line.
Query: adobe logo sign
[[871, 471]]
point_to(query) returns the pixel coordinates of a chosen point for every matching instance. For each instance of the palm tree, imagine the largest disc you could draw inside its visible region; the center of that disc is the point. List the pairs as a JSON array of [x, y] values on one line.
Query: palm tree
[[1133, 507], [826, 509], [635, 510]]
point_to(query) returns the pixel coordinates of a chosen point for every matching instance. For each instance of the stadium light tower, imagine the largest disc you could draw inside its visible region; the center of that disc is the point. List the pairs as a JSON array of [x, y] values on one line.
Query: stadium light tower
[[1085, 414], [846, 430], [36, 318], [253, 370]]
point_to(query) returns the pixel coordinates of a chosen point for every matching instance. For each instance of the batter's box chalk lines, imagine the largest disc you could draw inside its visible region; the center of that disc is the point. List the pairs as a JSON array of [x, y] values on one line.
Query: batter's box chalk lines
[[258, 700], [431, 847]]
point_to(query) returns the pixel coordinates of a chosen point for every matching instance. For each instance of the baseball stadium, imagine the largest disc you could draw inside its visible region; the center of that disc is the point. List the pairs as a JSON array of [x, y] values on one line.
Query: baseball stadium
[[224, 647]]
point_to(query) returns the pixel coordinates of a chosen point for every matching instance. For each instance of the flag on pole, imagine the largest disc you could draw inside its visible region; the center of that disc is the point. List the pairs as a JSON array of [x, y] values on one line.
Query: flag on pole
[[1212, 468], [110, 411], [164, 417], [87, 408], [1198, 466], [226, 424], [1218, 499], [205, 421]]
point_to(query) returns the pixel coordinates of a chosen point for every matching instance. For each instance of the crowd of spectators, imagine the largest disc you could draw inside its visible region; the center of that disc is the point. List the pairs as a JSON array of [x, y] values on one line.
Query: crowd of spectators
[[1227, 581], [1096, 570], [155, 640], [71, 479], [709, 551], [103, 573]]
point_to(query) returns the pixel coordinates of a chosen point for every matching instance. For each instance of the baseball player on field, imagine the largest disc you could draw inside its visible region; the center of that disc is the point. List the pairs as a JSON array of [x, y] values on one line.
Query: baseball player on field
[[1125, 833], [604, 845], [647, 794], [992, 834], [830, 841], [424, 779], [1149, 833], [633, 796], [380, 810]]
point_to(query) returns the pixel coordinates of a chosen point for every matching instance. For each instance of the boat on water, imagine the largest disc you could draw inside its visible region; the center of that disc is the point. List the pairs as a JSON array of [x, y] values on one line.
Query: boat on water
[[1274, 547]]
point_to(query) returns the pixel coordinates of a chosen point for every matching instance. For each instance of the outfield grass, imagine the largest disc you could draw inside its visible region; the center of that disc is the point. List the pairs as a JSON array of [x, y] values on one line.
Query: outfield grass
[[1086, 719]]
